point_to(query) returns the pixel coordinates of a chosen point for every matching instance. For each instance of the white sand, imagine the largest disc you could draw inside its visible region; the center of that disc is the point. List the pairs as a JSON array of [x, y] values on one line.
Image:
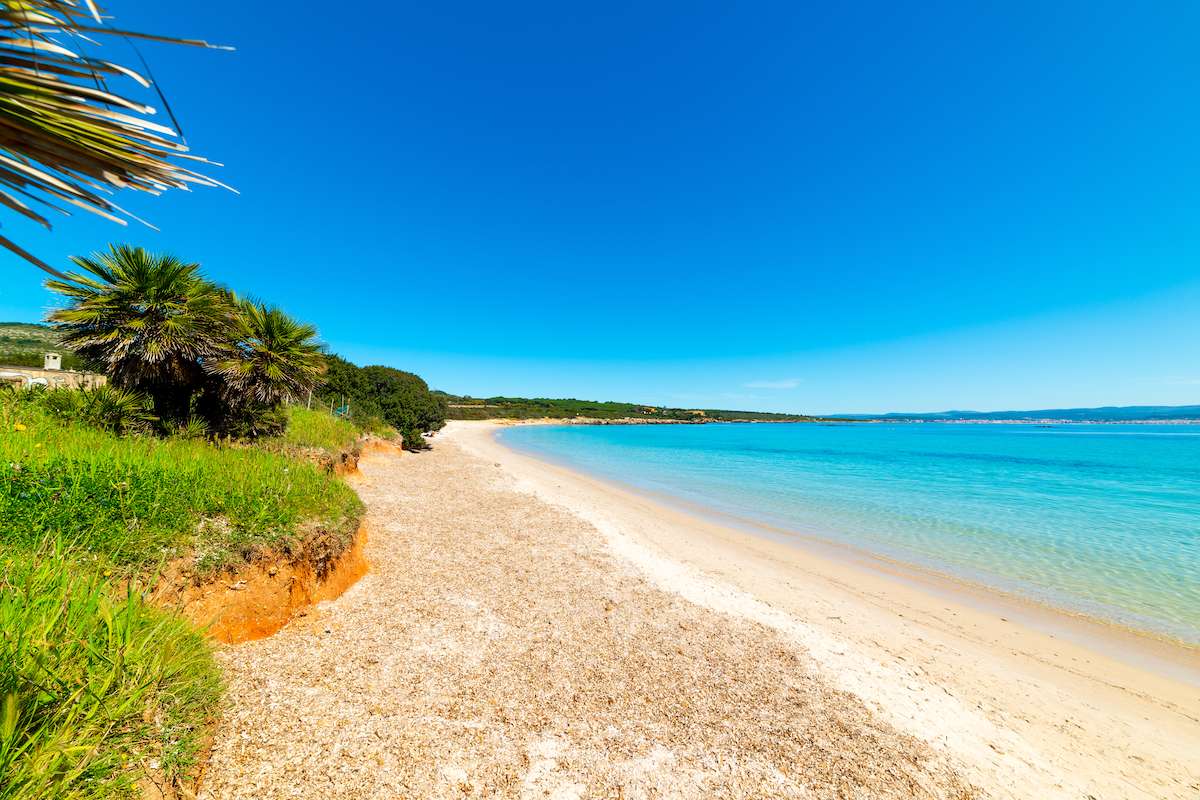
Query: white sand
[[1022, 712]]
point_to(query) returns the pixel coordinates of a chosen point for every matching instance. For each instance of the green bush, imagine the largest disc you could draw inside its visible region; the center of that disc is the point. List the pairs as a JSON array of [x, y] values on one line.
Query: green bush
[[401, 399], [94, 683], [413, 440], [103, 407]]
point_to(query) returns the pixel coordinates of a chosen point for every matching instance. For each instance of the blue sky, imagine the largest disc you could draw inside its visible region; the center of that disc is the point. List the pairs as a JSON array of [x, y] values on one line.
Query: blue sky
[[759, 205]]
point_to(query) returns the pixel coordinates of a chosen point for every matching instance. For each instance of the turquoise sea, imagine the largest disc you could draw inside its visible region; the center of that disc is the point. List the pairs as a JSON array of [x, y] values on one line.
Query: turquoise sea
[[1098, 519]]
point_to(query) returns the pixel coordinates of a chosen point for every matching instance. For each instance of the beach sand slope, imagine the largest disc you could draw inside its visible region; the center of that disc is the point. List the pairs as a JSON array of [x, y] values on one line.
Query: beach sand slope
[[500, 647]]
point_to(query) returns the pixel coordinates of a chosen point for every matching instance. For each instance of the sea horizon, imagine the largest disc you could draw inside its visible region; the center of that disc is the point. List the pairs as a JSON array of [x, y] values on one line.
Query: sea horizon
[[1091, 519]]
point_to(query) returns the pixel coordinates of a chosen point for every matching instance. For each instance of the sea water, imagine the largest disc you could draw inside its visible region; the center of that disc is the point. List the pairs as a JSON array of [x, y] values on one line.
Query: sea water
[[1102, 520]]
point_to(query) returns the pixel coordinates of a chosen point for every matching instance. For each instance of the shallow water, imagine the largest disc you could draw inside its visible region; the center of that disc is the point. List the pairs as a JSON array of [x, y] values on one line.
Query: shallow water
[[1098, 519]]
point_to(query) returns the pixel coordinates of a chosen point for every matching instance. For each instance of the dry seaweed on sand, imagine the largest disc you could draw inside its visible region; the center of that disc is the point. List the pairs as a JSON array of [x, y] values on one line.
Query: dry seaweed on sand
[[496, 649]]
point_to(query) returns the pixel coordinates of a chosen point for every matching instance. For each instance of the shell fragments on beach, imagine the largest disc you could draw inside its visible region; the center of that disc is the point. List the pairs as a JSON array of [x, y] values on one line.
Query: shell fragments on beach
[[497, 649]]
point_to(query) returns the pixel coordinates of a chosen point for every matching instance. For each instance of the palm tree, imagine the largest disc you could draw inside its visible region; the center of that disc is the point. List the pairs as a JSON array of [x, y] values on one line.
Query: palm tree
[[150, 320], [64, 136], [276, 358]]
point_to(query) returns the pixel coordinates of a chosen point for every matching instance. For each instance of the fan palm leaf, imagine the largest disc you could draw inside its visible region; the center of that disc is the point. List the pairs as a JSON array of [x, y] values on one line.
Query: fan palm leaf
[[277, 358], [65, 137], [149, 320]]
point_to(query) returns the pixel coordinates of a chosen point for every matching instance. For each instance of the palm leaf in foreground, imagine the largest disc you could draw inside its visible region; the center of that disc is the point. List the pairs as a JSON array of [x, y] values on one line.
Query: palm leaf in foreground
[[65, 138]]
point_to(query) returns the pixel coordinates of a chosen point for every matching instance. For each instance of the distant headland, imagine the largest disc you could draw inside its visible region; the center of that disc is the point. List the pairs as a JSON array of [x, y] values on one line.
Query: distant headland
[[1160, 415]]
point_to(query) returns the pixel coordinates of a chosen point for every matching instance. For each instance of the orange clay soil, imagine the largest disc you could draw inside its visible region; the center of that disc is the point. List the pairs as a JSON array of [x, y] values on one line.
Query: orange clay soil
[[259, 598], [379, 446]]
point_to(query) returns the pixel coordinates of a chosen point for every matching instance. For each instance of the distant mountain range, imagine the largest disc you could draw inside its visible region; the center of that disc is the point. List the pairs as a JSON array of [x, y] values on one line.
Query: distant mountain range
[[1103, 414]]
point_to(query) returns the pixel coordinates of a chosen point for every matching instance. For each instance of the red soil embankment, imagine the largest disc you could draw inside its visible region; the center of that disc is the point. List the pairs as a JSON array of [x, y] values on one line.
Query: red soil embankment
[[261, 597]]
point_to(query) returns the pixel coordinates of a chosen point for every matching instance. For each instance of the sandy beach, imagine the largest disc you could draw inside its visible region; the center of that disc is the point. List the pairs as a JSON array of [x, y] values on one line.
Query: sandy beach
[[527, 631]]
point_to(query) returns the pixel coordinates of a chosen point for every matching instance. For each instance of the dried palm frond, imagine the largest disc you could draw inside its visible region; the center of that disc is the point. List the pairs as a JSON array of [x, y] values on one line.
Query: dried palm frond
[[65, 138]]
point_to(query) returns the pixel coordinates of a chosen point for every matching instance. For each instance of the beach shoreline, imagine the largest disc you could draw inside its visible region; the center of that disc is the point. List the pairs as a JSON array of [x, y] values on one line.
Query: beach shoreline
[[1088, 709], [1156, 652]]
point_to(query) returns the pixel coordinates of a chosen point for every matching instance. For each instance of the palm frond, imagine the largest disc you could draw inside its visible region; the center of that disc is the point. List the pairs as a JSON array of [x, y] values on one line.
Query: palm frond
[[64, 135], [142, 316], [277, 358]]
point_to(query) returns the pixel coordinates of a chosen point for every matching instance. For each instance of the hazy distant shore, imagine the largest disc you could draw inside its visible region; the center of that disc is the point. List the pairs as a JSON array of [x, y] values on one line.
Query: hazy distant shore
[[838, 420], [1032, 712]]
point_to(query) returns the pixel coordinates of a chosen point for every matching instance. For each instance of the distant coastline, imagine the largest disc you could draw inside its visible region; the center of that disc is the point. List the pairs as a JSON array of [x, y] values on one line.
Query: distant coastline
[[1162, 415], [837, 421], [1046, 421]]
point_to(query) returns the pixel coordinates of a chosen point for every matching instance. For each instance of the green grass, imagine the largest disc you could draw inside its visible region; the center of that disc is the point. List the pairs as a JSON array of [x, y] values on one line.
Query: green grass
[[137, 501], [319, 429], [97, 689]]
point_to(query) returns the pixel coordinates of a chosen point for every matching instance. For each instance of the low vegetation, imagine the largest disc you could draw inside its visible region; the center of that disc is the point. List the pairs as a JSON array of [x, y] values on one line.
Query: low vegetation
[[98, 690], [138, 501], [461, 407], [317, 429]]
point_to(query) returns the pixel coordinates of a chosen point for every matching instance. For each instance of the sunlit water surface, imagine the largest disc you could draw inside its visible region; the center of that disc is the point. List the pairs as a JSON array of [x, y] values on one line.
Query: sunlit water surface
[[1098, 519]]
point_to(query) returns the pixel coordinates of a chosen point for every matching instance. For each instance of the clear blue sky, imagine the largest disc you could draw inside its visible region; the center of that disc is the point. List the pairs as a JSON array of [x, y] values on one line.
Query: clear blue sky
[[948, 205]]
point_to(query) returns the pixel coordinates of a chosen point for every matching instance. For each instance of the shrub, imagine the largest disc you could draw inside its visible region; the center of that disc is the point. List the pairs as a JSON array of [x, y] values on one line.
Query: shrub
[[401, 399], [104, 407], [413, 440]]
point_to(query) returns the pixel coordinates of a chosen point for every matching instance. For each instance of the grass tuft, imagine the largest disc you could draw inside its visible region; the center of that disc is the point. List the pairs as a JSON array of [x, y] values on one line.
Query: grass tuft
[[97, 689], [319, 429]]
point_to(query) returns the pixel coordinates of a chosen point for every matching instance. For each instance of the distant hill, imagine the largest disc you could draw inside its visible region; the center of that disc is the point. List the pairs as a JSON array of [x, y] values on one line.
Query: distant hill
[[1102, 414], [464, 407], [22, 344]]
